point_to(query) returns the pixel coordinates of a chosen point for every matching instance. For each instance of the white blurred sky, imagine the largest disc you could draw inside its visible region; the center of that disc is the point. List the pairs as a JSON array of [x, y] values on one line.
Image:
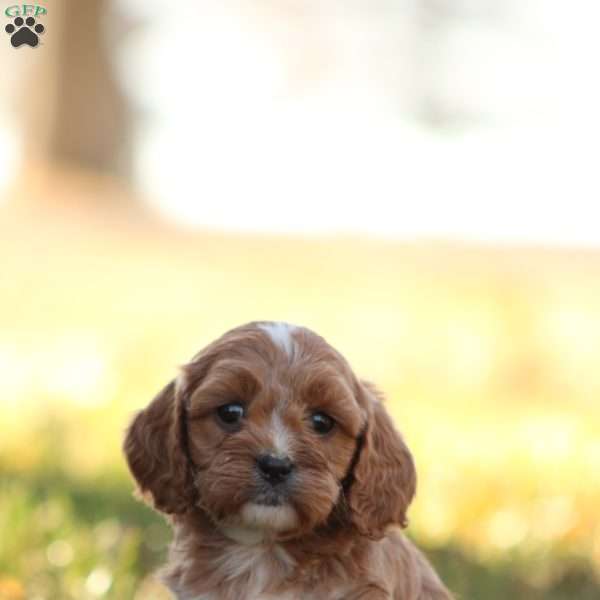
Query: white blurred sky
[[302, 118]]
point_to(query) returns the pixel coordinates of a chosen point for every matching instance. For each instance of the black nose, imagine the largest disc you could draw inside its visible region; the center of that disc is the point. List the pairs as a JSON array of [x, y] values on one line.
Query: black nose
[[274, 469]]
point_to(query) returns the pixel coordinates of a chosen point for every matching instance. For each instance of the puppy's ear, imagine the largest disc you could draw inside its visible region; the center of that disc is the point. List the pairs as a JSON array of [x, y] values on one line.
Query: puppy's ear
[[155, 448], [384, 478]]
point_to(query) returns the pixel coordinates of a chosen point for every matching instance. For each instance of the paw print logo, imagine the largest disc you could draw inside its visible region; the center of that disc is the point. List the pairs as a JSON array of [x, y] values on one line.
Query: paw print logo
[[24, 32]]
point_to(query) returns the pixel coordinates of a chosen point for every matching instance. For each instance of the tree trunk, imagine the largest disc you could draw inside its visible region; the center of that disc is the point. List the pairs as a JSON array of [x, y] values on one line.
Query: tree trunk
[[84, 118]]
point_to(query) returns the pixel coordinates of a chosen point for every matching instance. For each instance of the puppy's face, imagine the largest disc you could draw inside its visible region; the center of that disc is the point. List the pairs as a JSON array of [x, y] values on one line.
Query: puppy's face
[[272, 428], [269, 429]]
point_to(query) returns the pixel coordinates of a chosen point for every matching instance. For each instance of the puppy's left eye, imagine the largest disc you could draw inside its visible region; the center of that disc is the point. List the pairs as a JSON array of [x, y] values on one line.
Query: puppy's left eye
[[231, 414], [322, 423]]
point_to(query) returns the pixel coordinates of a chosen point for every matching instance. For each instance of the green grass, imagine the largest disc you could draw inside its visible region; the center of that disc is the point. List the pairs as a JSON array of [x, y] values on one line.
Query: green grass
[[59, 531]]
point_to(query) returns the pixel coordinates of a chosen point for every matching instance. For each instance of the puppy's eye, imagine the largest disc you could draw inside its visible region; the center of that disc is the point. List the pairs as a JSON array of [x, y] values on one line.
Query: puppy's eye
[[322, 423], [231, 414]]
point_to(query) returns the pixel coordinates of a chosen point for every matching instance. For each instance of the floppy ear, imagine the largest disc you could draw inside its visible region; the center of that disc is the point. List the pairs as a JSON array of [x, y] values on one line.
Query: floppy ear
[[384, 478], [156, 450]]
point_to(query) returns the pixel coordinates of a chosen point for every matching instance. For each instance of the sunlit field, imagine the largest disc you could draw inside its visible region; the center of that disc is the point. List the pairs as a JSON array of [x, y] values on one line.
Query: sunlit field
[[489, 359]]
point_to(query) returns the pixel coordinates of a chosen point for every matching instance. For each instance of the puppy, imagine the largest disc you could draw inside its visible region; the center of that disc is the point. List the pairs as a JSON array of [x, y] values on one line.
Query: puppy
[[281, 474]]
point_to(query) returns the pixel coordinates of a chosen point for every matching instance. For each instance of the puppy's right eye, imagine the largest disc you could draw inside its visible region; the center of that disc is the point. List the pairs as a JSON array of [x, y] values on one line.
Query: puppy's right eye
[[231, 414], [322, 423]]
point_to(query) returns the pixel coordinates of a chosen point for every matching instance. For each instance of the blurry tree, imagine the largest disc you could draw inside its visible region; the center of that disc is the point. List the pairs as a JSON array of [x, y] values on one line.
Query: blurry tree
[[84, 118]]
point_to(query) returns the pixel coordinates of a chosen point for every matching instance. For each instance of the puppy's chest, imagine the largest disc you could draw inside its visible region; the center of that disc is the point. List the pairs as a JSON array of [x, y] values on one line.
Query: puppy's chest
[[264, 573]]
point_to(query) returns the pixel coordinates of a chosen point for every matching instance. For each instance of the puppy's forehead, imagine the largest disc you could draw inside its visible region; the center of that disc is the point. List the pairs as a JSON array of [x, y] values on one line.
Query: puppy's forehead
[[298, 344], [274, 350], [281, 335]]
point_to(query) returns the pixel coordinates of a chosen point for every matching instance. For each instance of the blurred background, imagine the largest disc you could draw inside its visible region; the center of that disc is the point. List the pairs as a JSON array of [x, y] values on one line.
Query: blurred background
[[416, 180]]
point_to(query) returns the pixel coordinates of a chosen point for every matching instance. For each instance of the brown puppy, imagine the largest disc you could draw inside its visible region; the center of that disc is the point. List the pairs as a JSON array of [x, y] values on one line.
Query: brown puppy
[[282, 475]]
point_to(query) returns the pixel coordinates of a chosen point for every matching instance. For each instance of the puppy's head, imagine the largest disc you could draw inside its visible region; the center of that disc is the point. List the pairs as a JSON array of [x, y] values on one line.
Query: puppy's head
[[268, 428]]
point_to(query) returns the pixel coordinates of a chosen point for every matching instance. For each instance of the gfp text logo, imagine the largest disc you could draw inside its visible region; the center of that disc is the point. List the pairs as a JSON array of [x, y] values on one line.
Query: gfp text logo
[[24, 30]]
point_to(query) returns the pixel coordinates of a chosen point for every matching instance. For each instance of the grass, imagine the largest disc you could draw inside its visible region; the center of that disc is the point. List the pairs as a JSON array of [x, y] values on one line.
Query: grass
[[488, 358]]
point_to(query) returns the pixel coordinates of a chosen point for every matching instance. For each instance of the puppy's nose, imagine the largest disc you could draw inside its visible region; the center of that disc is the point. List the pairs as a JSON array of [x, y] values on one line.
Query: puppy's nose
[[274, 469]]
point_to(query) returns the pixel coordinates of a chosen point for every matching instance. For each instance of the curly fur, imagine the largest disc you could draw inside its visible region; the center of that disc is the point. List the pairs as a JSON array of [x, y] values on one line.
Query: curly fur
[[333, 531]]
